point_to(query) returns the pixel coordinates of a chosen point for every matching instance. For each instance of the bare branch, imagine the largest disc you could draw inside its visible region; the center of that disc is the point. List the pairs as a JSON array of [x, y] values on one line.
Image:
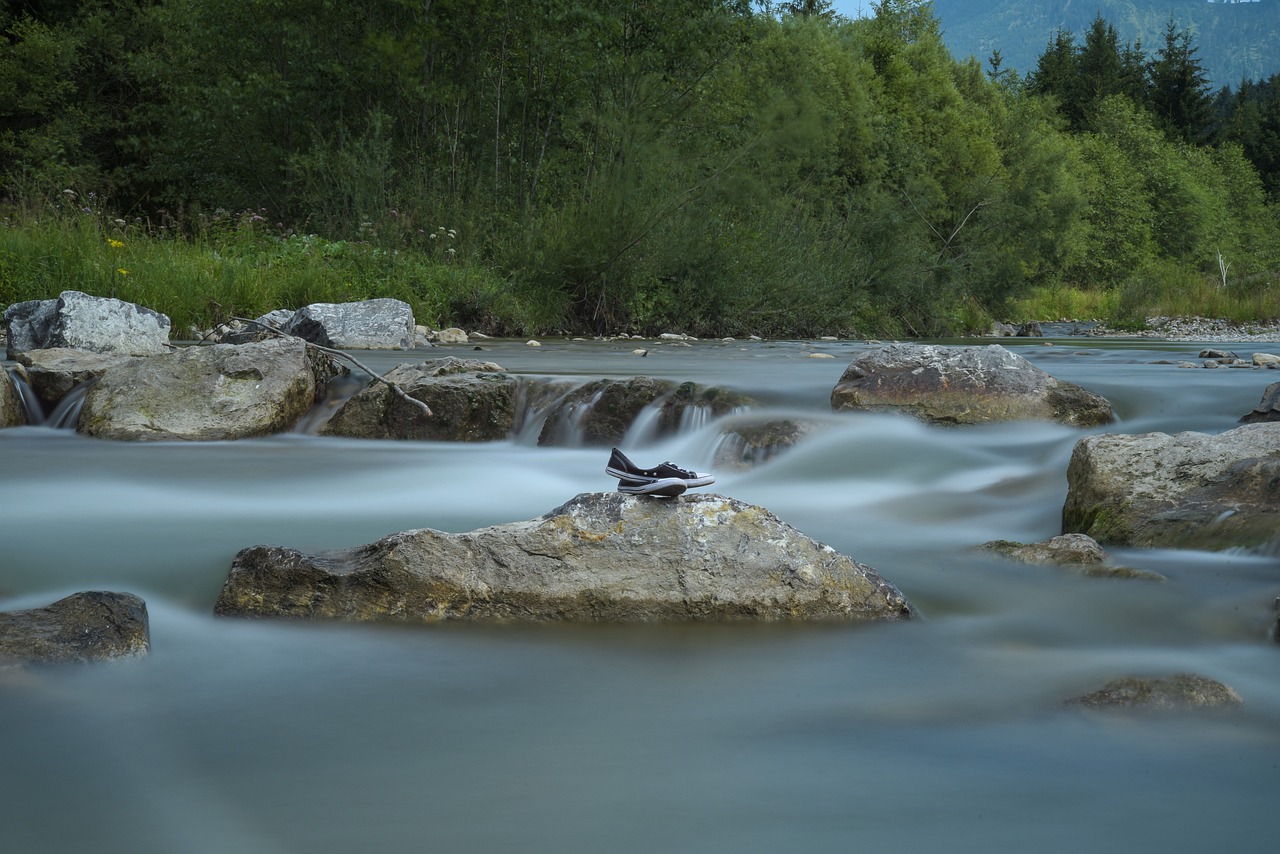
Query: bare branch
[[341, 355]]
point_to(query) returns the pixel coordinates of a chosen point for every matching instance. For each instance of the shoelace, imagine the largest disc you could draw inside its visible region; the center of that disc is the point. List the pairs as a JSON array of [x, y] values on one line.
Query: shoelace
[[674, 467]]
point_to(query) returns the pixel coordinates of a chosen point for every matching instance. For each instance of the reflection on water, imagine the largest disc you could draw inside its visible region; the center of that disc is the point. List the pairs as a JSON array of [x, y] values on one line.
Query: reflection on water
[[945, 732]]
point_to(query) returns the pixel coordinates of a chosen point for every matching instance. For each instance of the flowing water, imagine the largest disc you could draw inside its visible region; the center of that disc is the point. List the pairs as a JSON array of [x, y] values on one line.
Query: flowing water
[[945, 733]]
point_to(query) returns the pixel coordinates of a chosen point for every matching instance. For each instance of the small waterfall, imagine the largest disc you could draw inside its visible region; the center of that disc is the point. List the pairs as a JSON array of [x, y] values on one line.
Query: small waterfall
[[30, 403], [65, 414], [646, 429], [566, 430], [535, 400], [694, 417]]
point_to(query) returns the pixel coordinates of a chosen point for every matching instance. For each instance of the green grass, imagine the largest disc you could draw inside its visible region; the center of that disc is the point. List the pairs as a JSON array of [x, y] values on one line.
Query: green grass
[[1159, 290], [237, 267]]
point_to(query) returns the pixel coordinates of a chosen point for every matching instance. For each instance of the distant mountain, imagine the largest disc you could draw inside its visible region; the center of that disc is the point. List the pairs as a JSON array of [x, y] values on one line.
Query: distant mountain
[[1236, 39]]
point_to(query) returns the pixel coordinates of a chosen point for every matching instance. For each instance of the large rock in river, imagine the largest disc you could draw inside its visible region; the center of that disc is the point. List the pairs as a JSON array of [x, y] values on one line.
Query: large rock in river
[[963, 385], [376, 324], [82, 322], [206, 393], [470, 400], [1187, 490], [601, 557], [82, 627]]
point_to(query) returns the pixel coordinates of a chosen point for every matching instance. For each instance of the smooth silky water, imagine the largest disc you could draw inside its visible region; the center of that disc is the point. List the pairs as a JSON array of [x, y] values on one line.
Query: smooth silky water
[[945, 733]]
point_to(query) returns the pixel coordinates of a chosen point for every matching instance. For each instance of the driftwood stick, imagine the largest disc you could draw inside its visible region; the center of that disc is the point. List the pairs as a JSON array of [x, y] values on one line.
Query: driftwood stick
[[339, 354]]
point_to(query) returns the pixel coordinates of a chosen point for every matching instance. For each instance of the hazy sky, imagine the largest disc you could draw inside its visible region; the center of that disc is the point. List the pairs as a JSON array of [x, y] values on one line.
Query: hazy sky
[[850, 8]]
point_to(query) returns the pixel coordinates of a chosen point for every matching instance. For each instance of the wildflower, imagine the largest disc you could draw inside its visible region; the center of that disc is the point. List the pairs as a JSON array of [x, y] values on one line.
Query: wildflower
[[122, 271], [120, 223], [433, 235], [70, 194], [115, 244], [452, 234], [451, 251]]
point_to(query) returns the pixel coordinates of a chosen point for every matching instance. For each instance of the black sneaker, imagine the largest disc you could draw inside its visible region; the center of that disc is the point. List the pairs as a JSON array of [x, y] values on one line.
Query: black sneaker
[[623, 469], [664, 487]]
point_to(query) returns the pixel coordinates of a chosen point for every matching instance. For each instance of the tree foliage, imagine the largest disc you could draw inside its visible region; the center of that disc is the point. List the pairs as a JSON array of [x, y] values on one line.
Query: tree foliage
[[720, 167]]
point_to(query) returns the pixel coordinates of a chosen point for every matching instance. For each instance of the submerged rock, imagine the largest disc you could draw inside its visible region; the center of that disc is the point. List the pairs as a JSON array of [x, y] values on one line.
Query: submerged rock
[[1188, 490], [82, 627], [746, 442], [1077, 552], [963, 385], [1268, 409], [1183, 691], [81, 322], [375, 324], [206, 393], [601, 557], [470, 400]]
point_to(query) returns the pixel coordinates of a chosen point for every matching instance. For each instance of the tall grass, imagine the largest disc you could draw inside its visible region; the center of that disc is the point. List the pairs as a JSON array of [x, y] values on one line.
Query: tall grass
[[239, 266], [1158, 290]]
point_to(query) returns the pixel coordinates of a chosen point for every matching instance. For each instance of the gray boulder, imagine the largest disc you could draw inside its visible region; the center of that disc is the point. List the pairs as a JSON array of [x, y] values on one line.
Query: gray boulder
[[376, 324], [82, 627], [470, 400], [1188, 490], [208, 393], [1181, 692], [53, 373], [963, 385], [82, 322], [1268, 409], [601, 557]]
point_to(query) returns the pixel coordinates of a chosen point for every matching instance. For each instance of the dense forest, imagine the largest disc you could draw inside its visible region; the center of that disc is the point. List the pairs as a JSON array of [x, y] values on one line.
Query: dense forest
[[708, 166], [1238, 40]]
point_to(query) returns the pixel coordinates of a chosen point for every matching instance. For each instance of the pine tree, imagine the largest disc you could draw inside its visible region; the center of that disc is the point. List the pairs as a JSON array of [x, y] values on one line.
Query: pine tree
[[1180, 95]]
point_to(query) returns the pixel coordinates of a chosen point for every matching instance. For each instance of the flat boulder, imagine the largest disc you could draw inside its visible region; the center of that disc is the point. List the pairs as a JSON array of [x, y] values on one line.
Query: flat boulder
[[82, 322], [376, 324], [601, 557], [1186, 490], [92, 626], [208, 393], [1268, 409], [470, 400], [963, 385]]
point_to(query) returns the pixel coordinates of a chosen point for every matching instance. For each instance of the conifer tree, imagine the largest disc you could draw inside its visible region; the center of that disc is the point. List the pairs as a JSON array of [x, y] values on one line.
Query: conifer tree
[[1180, 95]]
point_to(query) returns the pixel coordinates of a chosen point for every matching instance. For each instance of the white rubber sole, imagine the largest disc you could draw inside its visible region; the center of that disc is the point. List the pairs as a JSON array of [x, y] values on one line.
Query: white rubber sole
[[666, 487], [690, 483]]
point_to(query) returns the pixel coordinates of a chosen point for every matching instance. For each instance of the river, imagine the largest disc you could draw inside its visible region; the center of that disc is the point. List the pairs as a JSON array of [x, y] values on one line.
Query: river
[[944, 733]]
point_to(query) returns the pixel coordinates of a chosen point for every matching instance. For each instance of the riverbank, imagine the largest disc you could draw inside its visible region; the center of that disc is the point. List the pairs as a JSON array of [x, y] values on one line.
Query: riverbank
[[1194, 329]]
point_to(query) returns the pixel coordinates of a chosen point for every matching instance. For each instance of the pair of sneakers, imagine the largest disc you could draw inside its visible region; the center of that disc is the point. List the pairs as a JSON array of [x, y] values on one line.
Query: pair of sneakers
[[664, 481]]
